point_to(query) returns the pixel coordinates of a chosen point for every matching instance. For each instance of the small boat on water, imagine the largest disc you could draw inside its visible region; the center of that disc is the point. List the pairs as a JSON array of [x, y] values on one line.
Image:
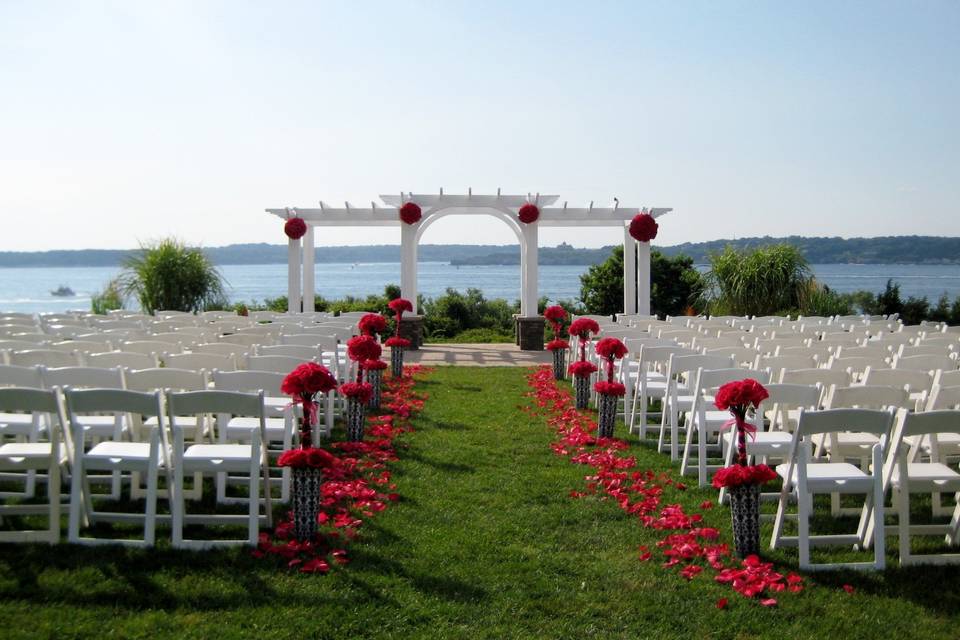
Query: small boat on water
[[63, 291]]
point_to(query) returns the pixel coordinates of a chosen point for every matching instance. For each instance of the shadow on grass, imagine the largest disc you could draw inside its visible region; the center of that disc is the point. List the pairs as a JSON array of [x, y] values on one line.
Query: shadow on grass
[[443, 587], [439, 465]]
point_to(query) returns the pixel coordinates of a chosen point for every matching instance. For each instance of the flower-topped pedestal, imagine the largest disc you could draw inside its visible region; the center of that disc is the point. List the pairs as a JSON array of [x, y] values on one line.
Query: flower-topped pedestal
[[558, 346], [609, 391], [397, 343], [582, 369], [361, 350], [306, 461], [741, 480]]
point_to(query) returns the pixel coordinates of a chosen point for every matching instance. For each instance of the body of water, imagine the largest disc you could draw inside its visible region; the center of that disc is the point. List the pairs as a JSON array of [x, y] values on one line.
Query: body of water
[[29, 289]]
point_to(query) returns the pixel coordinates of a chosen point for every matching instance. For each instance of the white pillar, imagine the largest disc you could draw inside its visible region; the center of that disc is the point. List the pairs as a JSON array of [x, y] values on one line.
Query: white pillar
[[408, 263], [629, 272], [309, 253], [293, 276], [643, 278], [528, 305]]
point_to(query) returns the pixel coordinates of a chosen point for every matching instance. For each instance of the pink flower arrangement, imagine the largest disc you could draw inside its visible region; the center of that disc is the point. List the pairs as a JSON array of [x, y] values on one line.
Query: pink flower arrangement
[[372, 324]]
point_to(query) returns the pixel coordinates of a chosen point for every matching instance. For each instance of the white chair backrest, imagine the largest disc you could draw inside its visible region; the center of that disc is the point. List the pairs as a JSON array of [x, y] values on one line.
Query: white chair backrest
[[245, 339], [33, 338], [84, 377], [872, 397], [857, 365], [782, 398], [82, 346], [221, 348], [17, 376], [943, 398], [916, 381], [925, 363], [17, 345], [824, 377], [267, 381], [166, 378], [122, 359], [150, 347], [277, 364], [291, 350], [115, 401], [689, 365], [742, 356], [306, 339], [707, 380], [38, 401], [210, 402], [778, 363], [45, 357], [947, 378], [198, 361]]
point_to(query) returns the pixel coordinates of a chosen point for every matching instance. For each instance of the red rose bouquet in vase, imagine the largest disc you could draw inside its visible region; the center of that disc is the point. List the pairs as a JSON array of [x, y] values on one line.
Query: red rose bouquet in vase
[[306, 461], [581, 370], [743, 481], [609, 391], [374, 325], [396, 343], [360, 349], [558, 346]]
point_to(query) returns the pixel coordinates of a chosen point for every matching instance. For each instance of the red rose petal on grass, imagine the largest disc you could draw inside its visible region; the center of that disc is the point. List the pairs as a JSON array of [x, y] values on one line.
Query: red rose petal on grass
[[706, 504], [849, 589], [722, 603], [769, 602]]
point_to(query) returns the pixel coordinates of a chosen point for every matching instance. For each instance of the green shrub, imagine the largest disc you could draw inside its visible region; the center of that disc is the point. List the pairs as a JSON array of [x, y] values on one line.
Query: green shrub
[[171, 276], [110, 299]]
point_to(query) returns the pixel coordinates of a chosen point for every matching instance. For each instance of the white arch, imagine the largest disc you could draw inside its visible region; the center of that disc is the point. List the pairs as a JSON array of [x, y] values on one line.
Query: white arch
[[526, 234]]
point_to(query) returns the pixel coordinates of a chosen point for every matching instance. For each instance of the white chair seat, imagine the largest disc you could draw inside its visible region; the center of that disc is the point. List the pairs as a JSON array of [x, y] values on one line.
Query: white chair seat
[[112, 453], [16, 423], [827, 477], [926, 472], [220, 457], [241, 428], [28, 455]]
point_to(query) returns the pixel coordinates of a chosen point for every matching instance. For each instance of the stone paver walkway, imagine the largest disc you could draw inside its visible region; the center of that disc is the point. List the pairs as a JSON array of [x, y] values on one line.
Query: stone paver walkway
[[477, 355]]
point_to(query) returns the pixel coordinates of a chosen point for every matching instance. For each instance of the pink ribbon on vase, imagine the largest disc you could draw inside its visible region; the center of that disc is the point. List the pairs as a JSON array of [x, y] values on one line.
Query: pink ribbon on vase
[[743, 428]]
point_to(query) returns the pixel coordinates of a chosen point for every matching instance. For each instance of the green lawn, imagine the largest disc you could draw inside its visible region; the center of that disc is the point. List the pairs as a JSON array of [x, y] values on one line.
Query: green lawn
[[485, 542]]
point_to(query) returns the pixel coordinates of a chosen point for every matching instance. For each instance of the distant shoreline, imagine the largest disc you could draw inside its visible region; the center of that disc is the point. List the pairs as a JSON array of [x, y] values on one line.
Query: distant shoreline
[[888, 250]]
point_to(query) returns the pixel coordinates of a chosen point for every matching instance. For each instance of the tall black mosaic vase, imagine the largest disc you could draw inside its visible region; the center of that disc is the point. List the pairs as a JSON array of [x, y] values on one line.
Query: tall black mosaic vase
[[375, 378], [396, 361], [355, 420], [559, 364], [745, 517], [581, 389], [607, 405], [306, 501]]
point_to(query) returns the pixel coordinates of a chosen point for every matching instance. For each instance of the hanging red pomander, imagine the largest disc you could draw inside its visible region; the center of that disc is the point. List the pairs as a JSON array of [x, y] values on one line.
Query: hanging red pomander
[[528, 213], [643, 227], [295, 228], [410, 212]]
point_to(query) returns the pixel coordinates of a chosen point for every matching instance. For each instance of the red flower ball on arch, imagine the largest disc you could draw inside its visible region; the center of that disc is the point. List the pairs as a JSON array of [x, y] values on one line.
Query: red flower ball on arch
[[295, 228], [410, 212], [528, 213], [643, 227]]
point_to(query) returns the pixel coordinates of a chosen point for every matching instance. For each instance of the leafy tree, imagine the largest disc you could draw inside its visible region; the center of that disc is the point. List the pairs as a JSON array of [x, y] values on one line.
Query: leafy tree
[[674, 284], [171, 276], [768, 280]]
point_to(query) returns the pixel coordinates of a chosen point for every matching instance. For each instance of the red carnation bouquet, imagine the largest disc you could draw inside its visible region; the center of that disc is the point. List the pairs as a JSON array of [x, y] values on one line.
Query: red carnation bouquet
[[610, 349], [583, 328], [739, 398], [309, 457], [372, 324], [360, 349], [303, 383], [556, 315], [643, 227]]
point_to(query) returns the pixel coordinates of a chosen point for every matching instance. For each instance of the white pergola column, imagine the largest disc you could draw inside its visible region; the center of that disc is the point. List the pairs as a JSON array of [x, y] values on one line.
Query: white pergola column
[[629, 272], [408, 263], [309, 273], [643, 278], [294, 294], [529, 262]]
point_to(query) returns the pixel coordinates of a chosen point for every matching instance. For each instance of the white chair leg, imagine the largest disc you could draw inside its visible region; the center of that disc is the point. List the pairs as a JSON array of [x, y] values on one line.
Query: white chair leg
[[253, 526], [178, 506], [53, 489], [76, 499], [150, 516], [880, 538]]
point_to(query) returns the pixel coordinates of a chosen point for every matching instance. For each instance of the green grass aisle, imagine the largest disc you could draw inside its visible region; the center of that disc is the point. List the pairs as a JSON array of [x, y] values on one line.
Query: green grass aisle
[[485, 542]]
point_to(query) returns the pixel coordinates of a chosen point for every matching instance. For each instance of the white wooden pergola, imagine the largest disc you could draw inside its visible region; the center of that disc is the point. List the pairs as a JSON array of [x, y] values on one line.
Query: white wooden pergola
[[301, 254]]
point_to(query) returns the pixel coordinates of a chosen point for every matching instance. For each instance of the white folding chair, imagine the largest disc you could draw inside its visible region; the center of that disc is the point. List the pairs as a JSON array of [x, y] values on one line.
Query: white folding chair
[[679, 396], [199, 361], [279, 423], [144, 456], [218, 458], [934, 477], [41, 456], [802, 479]]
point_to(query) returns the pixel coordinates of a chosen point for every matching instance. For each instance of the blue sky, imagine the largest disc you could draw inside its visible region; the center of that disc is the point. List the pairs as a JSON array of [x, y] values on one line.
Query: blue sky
[[128, 121]]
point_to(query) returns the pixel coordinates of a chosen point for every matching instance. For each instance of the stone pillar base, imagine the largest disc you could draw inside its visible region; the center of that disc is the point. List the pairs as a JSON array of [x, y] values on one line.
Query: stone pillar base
[[411, 328], [530, 333]]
